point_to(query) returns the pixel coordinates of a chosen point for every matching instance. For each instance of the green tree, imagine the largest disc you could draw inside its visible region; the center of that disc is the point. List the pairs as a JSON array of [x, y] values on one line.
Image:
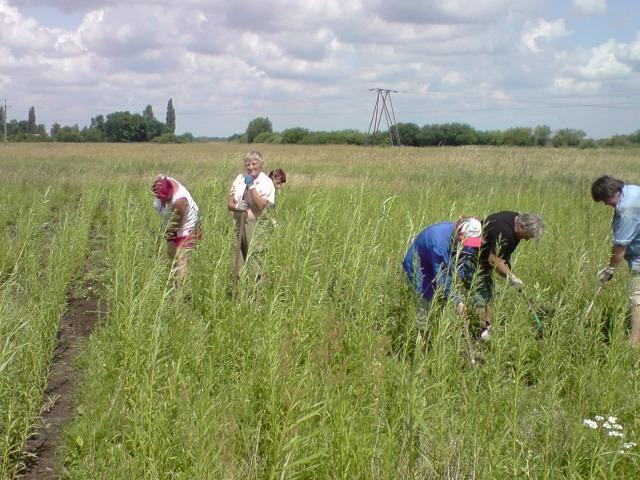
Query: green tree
[[69, 134], [154, 128], [518, 136], [2, 117], [125, 127], [567, 137], [55, 129], [97, 123], [31, 128], [409, 134], [171, 117], [148, 113], [542, 135], [294, 135], [256, 126]]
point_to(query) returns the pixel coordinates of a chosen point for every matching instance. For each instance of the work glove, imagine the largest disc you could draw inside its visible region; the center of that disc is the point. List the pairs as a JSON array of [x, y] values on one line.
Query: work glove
[[606, 274], [248, 180], [242, 205], [515, 282]]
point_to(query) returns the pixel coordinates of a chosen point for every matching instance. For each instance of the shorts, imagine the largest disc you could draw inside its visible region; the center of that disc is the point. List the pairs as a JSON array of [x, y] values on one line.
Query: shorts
[[483, 289], [186, 242], [634, 289]]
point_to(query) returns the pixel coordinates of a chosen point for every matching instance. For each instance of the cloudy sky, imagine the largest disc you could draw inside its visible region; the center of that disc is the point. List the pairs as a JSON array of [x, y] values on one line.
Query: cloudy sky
[[491, 63]]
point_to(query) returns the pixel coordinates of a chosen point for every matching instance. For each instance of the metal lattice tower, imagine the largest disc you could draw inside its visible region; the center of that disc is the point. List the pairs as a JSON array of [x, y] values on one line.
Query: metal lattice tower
[[384, 108]]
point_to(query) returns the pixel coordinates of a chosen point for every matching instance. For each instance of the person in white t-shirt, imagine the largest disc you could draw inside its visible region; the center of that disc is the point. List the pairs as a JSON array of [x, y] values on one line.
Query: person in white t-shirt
[[251, 194], [180, 219]]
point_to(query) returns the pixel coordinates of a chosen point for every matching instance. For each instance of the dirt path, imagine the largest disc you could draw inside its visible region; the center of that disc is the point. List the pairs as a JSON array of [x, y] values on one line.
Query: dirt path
[[77, 323]]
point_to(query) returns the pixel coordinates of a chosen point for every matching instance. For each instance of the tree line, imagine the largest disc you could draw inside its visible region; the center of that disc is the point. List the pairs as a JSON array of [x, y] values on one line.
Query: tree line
[[115, 127], [133, 127], [260, 130]]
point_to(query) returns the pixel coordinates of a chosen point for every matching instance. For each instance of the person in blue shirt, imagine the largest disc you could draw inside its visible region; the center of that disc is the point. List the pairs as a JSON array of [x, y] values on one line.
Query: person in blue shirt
[[625, 200], [440, 254]]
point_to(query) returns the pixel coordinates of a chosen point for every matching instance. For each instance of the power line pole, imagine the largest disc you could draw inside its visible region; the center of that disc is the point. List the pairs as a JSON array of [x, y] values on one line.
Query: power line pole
[[384, 107], [4, 118]]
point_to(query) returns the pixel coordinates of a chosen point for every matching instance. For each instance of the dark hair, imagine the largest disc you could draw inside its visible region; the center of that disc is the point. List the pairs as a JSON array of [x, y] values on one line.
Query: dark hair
[[605, 187], [278, 174]]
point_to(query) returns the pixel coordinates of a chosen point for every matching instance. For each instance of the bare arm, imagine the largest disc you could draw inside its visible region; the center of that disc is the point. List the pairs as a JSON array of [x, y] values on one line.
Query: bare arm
[[499, 264], [177, 218], [231, 203], [259, 202]]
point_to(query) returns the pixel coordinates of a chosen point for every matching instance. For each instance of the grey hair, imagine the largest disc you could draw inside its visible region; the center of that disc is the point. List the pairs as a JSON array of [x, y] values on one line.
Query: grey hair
[[532, 224], [254, 155]]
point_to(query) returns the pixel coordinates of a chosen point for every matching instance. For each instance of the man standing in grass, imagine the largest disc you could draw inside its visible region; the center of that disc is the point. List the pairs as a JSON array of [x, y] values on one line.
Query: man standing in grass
[[502, 232], [625, 201], [440, 254], [180, 217]]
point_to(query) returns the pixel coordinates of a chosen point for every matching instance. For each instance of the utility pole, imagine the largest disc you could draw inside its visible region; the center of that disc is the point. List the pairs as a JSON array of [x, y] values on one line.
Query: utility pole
[[384, 107], [4, 118]]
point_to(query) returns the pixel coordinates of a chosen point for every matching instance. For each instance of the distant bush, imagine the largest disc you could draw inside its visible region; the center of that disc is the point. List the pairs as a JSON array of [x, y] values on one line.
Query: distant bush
[[294, 135], [587, 143], [262, 137]]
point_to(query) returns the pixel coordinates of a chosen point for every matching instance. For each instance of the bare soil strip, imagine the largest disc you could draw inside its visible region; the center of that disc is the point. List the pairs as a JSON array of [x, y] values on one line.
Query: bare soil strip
[[77, 323]]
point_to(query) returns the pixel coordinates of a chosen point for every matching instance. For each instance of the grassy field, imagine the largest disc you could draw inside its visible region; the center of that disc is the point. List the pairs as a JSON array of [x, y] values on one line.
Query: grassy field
[[319, 373]]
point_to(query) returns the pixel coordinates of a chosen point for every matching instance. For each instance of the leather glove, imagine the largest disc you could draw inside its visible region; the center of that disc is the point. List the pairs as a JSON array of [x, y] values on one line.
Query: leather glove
[[242, 205], [248, 180], [515, 282], [606, 274]]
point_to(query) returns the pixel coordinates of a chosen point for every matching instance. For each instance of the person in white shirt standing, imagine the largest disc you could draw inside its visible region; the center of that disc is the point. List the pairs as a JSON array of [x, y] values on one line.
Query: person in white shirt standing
[[180, 220], [251, 193]]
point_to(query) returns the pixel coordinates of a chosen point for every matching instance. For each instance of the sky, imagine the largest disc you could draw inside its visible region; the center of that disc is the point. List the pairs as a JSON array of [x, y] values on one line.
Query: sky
[[493, 64]]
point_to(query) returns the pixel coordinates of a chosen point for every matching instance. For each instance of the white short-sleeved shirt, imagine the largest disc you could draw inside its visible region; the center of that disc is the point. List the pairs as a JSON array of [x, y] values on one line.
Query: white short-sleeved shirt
[[191, 215], [264, 185]]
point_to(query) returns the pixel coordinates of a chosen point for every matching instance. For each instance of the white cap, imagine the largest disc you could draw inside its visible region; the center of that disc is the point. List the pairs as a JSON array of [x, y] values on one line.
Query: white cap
[[469, 232]]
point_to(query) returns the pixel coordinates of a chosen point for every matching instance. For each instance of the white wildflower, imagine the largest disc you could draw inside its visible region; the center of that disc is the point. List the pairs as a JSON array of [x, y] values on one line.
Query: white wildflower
[[607, 425], [615, 433], [628, 445], [612, 419], [598, 418], [587, 422]]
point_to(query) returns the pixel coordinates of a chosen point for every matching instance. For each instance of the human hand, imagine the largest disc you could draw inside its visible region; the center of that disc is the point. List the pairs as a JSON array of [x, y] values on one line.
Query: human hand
[[606, 274], [515, 282], [248, 180], [242, 205]]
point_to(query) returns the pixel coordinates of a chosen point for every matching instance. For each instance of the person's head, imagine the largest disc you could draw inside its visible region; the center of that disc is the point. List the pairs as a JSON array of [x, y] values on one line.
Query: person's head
[[607, 190], [278, 177], [162, 187], [253, 163], [528, 226], [469, 232]]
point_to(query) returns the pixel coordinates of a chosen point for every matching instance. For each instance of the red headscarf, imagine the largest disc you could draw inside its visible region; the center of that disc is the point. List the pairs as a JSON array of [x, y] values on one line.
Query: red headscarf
[[162, 188]]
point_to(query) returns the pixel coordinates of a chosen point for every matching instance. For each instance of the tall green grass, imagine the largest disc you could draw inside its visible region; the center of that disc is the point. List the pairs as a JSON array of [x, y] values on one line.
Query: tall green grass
[[46, 241], [319, 374]]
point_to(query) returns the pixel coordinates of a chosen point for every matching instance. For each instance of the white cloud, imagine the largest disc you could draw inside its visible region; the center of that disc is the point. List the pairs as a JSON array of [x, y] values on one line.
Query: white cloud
[[439, 12], [590, 7], [542, 30], [573, 86], [604, 63], [630, 52]]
